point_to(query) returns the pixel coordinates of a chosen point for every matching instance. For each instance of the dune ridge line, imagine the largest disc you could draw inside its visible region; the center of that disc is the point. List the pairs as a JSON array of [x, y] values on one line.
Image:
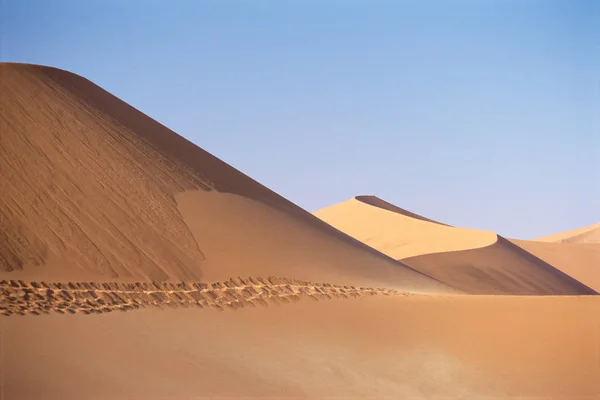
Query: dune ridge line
[[23, 297]]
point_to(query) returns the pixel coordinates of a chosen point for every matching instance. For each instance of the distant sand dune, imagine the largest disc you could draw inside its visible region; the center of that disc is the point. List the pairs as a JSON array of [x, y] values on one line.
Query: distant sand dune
[[588, 234], [93, 189], [397, 233], [474, 261]]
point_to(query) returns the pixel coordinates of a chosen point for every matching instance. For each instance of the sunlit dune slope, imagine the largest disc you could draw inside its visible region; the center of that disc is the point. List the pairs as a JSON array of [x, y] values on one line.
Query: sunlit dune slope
[[578, 260], [474, 261], [399, 234], [421, 347], [93, 189], [588, 234]]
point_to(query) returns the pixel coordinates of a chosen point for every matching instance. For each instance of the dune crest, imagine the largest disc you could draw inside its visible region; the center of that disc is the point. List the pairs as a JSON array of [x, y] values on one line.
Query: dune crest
[[378, 202]]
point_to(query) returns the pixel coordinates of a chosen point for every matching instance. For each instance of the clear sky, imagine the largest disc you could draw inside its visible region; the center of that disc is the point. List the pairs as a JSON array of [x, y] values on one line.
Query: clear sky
[[482, 114]]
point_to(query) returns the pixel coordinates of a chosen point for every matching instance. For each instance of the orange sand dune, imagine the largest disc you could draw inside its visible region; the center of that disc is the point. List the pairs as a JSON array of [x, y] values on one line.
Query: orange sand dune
[[471, 260], [417, 347], [578, 260], [398, 233], [92, 189], [588, 234]]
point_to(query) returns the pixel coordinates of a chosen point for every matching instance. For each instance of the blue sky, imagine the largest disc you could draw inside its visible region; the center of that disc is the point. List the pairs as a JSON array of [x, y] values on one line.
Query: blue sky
[[483, 114]]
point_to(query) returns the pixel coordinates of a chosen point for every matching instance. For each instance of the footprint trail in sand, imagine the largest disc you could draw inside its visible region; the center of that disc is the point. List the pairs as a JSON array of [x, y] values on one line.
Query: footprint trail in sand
[[22, 298]]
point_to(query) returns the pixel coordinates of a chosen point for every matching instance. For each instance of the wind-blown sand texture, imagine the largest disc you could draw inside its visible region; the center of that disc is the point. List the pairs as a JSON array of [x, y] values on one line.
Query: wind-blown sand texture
[[474, 261], [588, 234], [120, 254]]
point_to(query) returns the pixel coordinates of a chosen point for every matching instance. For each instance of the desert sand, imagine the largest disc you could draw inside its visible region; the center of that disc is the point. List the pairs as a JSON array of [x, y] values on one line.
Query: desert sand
[[477, 262], [415, 347], [135, 265], [399, 233]]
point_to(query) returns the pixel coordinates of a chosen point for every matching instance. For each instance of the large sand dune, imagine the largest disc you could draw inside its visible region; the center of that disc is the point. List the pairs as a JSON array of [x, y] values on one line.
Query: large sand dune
[[588, 234], [415, 347], [474, 261], [94, 189]]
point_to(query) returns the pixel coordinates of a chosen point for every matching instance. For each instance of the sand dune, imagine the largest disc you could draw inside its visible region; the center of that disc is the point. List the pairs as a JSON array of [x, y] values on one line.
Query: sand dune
[[427, 347], [474, 261], [588, 234], [95, 190], [399, 234], [578, 260]]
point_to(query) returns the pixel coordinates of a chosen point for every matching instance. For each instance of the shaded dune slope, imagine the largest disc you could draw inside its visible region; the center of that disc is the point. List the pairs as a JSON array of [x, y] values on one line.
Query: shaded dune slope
[[377, 202], [94, 189], [474, 261], [501, 268], [588, 234], [578, 260]]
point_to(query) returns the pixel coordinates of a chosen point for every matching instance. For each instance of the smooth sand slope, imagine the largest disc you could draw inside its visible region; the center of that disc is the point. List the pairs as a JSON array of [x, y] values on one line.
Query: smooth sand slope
[[474, 261], [501, 268], [92, 189], [465, 347], [588, 234], [578, 260]]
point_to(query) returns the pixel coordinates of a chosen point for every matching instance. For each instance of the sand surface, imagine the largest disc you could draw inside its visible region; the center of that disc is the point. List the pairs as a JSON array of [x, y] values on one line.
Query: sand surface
[[135, 265], [377, 347]]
